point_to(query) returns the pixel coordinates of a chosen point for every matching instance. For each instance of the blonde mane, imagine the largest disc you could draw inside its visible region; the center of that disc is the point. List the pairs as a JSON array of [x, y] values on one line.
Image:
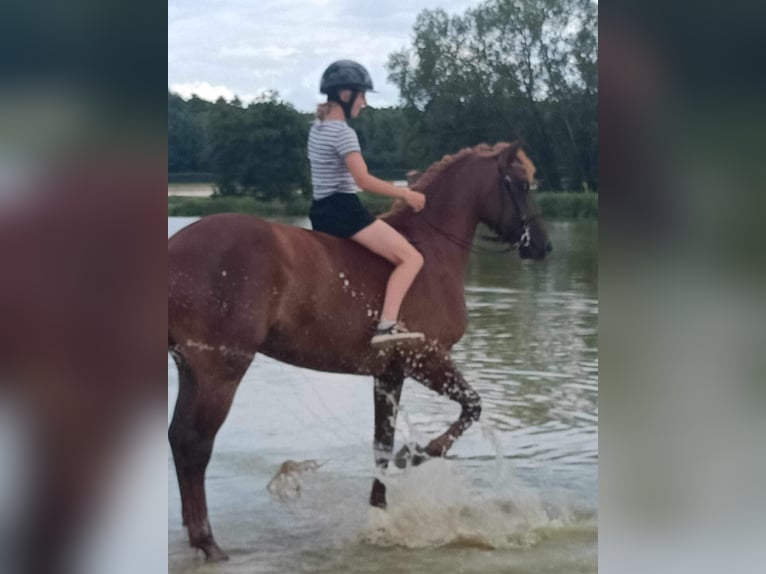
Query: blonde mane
[[436, 169], [529, 167], [483, 150]]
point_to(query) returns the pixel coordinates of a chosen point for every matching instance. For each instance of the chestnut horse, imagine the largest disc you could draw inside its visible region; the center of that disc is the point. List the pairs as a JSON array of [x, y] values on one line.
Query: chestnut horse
[[238, 285]]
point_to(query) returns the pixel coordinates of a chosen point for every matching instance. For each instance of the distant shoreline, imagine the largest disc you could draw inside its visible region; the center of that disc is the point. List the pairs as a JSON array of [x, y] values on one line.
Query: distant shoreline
[[190, 189], [193, 200]]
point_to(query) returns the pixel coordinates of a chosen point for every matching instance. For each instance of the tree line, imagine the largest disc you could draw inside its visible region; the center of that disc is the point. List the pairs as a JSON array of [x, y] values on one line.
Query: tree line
[[504, 70]]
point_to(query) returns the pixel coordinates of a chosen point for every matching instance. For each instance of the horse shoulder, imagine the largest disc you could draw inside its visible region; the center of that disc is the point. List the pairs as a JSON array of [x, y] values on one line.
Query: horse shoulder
[[438, 299]]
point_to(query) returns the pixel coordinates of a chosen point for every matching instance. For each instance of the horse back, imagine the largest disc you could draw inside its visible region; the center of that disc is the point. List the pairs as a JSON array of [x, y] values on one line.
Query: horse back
[[303, 297]]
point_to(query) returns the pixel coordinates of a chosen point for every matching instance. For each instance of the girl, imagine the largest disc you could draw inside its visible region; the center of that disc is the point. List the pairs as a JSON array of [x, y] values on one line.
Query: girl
[[337, 170]]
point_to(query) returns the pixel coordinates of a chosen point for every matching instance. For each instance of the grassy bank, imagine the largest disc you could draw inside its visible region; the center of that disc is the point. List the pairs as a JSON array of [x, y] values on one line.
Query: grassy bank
[[568, 205], [555, 206], [189, 177]]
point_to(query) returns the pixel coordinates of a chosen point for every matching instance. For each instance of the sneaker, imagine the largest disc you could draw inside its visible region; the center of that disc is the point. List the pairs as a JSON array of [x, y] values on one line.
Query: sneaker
[[396, 332]]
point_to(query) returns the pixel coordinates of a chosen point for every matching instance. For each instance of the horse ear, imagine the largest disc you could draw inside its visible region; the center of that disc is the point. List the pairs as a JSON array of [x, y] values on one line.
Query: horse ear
[[509, 154]]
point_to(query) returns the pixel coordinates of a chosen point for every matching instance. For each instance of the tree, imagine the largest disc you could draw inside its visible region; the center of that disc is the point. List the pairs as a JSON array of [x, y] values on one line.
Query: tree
[[258, 150], [186, 141], [380, 136], [509, 68]]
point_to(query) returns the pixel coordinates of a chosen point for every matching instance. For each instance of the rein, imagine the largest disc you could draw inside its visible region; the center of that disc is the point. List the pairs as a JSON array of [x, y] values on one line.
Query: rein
[[468, 245], [525, 237], [460, 242]]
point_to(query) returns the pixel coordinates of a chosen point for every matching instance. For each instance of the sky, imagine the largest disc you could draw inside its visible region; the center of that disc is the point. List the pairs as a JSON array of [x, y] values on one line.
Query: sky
[[245, 47]]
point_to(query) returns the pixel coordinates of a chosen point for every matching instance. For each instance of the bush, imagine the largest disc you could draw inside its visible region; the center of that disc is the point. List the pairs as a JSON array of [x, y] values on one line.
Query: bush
[[190, 177], [201, 206], [554, 205], [568, 205]]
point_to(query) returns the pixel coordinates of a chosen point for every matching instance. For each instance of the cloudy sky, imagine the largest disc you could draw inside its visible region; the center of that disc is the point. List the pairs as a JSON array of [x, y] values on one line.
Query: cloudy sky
[[244, 47]]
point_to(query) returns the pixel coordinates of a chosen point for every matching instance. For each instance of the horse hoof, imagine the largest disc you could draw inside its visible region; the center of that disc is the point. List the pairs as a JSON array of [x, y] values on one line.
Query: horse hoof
[[378, 495], [214, 554], [405, 457], [208, 545]]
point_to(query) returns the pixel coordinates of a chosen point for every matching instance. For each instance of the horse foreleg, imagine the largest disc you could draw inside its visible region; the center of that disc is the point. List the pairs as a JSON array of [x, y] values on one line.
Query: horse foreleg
[[436, 371], [205, 394], [387, 391]]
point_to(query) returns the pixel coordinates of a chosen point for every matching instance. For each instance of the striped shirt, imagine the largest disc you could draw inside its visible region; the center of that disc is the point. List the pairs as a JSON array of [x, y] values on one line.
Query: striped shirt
[[330, 142]]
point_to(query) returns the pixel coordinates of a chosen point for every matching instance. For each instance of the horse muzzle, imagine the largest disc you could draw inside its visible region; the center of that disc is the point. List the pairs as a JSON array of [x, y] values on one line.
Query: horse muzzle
[[531, 250]]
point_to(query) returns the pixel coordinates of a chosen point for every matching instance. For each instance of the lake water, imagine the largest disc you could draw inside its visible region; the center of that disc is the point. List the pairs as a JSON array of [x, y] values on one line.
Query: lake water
[[207, 189], [519, 492]]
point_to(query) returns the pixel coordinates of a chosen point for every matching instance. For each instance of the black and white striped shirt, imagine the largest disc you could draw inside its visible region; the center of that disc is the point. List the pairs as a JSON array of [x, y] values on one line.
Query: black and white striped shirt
[[330, 142]]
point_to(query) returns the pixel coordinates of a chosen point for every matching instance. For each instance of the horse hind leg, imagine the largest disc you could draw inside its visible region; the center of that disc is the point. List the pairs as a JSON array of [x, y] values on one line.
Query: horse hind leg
[[206, 387], [184, 399], [435, 370], [387, 392]]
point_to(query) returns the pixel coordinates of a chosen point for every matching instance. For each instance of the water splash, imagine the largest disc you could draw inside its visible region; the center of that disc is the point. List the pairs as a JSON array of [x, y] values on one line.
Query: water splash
[[287, 482], [433, 505], [489, 434], [437, 504]]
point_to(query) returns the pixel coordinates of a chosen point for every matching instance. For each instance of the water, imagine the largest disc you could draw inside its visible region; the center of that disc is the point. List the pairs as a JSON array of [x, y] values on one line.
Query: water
[[519, 491]]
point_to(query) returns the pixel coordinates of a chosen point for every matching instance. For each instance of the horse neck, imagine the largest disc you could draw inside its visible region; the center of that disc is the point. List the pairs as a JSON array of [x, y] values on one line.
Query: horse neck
[[446, 226]]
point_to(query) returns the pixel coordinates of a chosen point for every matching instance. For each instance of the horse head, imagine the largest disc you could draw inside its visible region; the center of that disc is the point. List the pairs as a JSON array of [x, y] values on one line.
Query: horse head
[[510, 209]]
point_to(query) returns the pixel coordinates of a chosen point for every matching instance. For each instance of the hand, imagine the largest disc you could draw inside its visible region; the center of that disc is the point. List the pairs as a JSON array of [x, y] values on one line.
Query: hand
[[414, 199]]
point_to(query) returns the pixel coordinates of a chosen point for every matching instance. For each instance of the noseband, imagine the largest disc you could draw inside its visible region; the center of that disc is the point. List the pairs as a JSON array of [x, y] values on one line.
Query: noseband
[[506, 183]]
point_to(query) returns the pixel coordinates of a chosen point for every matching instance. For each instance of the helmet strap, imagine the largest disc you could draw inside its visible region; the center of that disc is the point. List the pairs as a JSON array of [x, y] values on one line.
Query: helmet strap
[[334, 96]]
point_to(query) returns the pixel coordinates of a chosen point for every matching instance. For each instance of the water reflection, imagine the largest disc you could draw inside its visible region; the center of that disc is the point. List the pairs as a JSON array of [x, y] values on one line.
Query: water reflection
[[530, 350]]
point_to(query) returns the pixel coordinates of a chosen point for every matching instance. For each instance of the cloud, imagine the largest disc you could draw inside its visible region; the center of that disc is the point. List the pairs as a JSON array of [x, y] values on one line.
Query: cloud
[[235, 47], [202, 90], [271, 52]]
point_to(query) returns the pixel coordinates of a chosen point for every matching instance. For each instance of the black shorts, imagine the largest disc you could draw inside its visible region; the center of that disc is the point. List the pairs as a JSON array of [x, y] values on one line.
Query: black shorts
[[340, 214]]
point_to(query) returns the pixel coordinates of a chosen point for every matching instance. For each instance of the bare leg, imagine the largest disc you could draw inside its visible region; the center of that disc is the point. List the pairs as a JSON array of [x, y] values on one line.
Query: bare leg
[[399, 283], [384, 240], [388, 390], [207, 385]]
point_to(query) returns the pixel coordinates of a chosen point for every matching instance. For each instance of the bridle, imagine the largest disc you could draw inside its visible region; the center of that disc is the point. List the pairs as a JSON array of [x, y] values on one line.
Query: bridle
[[505, 183]]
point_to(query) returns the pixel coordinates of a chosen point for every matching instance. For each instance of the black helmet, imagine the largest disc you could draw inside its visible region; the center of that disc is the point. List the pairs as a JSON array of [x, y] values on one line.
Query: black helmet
[[345, 75]]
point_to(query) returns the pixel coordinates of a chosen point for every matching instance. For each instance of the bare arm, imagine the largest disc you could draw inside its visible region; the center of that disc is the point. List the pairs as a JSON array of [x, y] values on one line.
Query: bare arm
[[368, 182], [358, 169]]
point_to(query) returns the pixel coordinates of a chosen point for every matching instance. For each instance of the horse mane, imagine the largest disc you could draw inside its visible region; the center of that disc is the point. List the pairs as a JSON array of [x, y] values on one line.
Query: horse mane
[[427, 178], [438, 168], [529, 167]]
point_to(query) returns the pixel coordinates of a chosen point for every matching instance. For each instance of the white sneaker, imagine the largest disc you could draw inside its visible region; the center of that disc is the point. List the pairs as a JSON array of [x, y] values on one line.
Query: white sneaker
[[396, 332]]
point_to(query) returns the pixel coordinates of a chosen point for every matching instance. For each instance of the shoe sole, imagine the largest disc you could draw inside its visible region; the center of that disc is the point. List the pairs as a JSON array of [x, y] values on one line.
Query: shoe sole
[[381, 339]]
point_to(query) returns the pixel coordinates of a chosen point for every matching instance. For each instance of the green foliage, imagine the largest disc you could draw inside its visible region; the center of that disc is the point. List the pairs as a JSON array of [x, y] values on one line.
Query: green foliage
[[186, 138], [200, 206], [380, 134], [568, 205], [500, 71], [190, 177], [554, 205], [256, 150]]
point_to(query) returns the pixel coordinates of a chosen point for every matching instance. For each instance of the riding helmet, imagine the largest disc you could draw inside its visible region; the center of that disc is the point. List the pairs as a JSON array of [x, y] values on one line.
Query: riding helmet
[[345, 75]]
